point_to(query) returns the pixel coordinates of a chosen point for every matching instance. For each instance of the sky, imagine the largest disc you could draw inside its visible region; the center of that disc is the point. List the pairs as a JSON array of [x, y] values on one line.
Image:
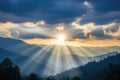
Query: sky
[[83, 22]]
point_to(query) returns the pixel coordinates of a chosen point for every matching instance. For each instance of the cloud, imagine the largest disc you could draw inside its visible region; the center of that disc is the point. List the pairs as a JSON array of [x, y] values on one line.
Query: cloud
[[5, 33], [23, 30], [9, 17], [94, 31], [54, 11], [87, 4], [60, 11], [106, 5], [40, 23], [100, 18], [75, 29], [33, 24], [8, 24], [29, 24], [114, 34], [59, 28]]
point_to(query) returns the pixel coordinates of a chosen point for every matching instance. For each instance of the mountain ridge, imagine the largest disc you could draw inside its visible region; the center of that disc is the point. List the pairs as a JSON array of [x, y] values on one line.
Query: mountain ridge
[[89, 70]]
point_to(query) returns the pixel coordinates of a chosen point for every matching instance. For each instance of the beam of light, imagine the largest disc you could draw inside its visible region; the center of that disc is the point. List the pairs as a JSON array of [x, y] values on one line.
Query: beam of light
[[42, 60], [70, 61], [39, 54], [52, 63], [53, 59], [61, 59], [80, 56], [58, 66]]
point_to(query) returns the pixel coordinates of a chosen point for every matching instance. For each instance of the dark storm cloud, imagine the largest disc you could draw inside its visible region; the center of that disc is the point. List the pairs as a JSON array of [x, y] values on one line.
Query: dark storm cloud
[[22, 7], [52, 11], [59, 11], [104, 11], [98, 33], [105, 5], [112, 29], [101, 18]]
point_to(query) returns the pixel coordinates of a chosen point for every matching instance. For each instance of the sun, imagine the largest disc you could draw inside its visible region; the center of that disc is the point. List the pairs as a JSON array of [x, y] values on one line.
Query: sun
[[61, 37]]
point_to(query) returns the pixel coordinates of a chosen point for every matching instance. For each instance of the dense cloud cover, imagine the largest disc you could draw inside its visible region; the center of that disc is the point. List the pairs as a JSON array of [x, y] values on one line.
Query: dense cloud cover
[[84, 19], [60, 11]]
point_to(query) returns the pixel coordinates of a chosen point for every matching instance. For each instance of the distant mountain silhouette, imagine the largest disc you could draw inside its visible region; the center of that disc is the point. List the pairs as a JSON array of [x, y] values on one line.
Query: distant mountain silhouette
[[91, 70], [16, 46], [15, 57]]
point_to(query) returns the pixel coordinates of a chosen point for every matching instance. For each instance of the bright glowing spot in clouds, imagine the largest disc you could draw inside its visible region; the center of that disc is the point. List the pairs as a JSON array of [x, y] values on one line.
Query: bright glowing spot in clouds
[[61, 37]]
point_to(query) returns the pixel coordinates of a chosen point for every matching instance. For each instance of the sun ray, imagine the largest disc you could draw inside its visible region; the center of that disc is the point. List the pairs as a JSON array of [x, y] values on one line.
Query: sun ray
[[68, 56], [34, 57], [52, 62], [80, 54]]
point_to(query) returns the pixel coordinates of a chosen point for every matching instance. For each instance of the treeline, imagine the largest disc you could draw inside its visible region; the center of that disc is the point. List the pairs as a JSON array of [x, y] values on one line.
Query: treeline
[[111, 73], [8, 71]]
